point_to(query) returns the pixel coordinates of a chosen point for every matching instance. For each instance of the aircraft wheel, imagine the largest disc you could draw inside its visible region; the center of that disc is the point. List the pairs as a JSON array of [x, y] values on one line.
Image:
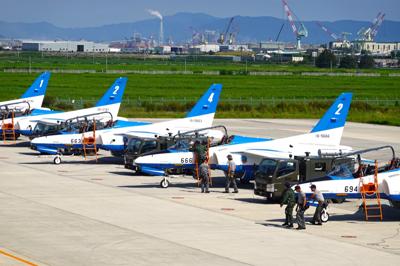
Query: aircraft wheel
[[324, 216], [164, 183], [57, 160]]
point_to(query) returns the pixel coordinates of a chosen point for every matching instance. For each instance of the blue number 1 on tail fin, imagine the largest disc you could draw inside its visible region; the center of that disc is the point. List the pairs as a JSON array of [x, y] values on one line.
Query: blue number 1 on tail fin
[[114, 93], [208, 102], [336, 115], [38, 87]]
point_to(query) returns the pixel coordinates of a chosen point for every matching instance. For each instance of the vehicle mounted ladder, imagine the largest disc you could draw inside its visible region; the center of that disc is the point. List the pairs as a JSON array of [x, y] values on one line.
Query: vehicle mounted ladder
[[89, 143], [8, 130], [370, 191]]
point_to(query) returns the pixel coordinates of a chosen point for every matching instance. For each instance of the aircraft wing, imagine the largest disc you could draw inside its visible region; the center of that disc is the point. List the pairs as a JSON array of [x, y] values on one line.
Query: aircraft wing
[[256, 154], [262, 153], [53, 120], [138, 134]]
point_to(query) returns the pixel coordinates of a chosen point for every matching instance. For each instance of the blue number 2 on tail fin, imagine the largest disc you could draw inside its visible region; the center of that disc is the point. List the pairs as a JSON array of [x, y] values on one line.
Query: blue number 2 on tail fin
[[336, 115], [38, 87], [114, 93], [208, 102]]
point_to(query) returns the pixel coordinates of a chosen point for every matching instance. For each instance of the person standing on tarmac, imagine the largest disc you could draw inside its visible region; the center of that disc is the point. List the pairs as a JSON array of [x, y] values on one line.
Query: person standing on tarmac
[[288, 198], [204, 177], [230, 175], [317, 195], [301, 208]]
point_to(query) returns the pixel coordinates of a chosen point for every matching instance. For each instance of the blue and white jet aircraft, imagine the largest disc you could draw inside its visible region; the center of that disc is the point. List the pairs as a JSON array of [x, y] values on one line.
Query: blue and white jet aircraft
[[247, 152], [346, 185], [201, 116], [29, 103], [109, 103]]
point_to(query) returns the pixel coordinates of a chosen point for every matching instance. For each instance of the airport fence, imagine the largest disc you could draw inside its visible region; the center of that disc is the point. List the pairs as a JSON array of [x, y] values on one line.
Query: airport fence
[[199, 72], [245, 104]]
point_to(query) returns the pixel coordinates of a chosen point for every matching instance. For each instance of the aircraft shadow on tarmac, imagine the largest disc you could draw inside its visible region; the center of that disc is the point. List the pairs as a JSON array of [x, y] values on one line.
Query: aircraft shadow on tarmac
[[15, 145], [191, 185], [65, 160], [256, 201], [29, 153], [390, 214]]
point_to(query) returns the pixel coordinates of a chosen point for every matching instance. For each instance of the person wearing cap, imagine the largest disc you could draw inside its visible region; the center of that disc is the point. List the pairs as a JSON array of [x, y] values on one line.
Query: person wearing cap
[[230, 175], [288, 198], [317, 196], [204, 177], [300, 208]]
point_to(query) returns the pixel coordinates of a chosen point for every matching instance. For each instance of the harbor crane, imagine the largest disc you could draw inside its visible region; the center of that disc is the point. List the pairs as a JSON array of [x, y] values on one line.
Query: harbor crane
[[299, 30], [335, 36], [223, 37], [369, 34]]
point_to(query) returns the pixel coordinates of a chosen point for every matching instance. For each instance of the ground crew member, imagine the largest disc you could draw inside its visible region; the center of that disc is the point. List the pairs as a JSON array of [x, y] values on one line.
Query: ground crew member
[[204, 177], [200, 151], [230, 175], [317, 196], [300, 208], [288, 198]]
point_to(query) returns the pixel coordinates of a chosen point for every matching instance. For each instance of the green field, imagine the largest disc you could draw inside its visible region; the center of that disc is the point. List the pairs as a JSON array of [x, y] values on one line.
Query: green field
[[376, 99], [243, 96]]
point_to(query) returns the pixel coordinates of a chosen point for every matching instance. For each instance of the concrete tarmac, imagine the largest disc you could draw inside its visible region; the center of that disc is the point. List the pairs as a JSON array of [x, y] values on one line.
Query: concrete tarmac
[[87, 213]]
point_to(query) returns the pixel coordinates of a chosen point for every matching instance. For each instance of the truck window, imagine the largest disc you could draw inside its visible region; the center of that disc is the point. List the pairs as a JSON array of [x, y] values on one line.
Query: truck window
[[267, 167], [286, 168], [134, 145], [149, 146], [320, 167]]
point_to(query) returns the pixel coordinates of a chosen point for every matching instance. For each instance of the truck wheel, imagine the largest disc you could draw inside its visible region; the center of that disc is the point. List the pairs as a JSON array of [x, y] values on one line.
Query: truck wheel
[[57, 160], [164, 183]]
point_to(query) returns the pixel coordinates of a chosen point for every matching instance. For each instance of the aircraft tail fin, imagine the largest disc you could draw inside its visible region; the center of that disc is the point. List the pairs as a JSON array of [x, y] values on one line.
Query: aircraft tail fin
[[114, 93], [329, 130], [38, 87], [336, 115], [208, 102]]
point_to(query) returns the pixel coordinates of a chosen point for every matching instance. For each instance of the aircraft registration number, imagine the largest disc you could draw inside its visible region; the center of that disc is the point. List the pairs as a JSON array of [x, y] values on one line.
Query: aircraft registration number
[[350, 189], [186, 160], [76, 141]]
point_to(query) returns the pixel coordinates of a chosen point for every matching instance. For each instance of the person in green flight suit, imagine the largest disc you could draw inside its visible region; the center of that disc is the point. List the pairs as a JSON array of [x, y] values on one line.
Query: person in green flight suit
[[288, 198]]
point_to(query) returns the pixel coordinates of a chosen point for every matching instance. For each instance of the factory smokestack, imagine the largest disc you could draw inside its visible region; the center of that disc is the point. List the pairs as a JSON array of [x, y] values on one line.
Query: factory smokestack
[[158, 15]]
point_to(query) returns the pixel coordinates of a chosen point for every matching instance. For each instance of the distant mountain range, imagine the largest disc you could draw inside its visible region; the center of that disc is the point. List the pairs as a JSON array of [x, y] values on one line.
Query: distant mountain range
[[180, 28]]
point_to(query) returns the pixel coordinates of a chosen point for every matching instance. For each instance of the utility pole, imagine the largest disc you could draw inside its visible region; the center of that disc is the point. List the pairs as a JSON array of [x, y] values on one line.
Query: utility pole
[[185, 64], [30, 65], [106, 63]]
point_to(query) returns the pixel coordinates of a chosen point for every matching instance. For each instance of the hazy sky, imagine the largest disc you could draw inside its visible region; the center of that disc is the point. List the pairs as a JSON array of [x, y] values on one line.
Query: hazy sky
[[81, 13]]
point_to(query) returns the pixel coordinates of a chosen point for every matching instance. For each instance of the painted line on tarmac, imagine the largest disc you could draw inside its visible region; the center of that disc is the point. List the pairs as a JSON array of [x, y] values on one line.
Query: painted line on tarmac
[[17, 258]]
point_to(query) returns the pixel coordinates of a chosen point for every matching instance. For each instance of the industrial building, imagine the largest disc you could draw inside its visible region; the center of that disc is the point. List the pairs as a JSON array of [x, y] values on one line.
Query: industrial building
[[376, 47], [65, 46]]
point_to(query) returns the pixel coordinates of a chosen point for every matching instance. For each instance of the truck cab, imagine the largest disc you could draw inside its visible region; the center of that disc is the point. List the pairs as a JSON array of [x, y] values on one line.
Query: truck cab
[[137, 146], [272, 173]]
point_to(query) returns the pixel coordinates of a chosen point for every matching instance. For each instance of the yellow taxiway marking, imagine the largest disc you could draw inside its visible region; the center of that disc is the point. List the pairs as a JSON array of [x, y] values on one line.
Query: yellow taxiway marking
[[18, 259]]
